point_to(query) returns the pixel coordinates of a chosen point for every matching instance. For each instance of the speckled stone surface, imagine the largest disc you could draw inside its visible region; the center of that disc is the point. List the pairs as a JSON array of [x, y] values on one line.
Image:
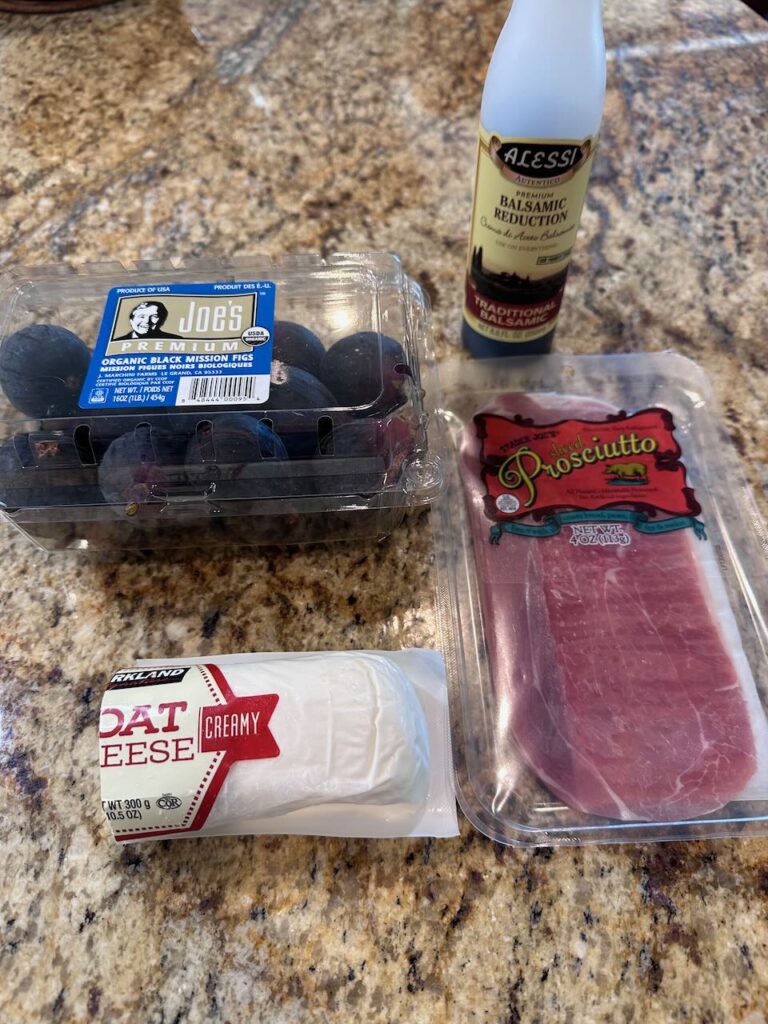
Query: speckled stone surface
[[197, 127]]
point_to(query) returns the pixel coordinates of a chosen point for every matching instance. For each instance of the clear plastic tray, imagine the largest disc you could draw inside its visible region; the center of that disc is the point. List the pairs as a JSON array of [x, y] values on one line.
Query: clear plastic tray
[[647, 706], [352, 467]]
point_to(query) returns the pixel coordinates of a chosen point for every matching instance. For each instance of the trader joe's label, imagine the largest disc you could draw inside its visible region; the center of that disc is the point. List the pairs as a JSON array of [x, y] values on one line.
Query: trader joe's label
[[591, 475]]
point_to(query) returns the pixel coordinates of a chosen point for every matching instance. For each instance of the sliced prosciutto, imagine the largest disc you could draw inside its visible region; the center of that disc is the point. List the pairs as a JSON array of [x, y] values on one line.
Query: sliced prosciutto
[[618, 669]]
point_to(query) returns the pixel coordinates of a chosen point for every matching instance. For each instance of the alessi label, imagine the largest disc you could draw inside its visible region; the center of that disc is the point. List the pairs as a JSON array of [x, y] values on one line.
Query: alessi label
[[527, 205], [591, 475], [167, 738], [528, 163]]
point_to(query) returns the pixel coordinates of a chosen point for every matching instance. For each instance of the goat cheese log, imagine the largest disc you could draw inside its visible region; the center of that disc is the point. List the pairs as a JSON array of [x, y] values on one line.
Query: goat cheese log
[[618, 668], [344, 743], [356, 735]]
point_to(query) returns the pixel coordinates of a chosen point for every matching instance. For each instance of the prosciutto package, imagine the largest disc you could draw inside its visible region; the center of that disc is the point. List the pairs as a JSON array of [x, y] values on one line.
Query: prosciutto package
[[617, 668]]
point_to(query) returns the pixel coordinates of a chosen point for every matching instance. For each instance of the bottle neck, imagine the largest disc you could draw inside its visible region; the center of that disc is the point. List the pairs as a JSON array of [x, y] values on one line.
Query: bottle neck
[[546, 78], [543, 21]]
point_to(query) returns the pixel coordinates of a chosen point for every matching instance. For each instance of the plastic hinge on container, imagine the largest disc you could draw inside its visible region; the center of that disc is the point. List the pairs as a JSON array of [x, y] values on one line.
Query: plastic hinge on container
[[158, 264]]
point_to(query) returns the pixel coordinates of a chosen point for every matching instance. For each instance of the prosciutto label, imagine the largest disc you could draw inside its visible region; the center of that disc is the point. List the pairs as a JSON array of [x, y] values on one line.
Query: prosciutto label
[[540, 470]]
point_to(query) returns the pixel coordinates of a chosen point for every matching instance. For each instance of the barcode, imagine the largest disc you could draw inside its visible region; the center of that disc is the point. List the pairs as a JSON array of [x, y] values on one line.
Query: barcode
[[218, 390]]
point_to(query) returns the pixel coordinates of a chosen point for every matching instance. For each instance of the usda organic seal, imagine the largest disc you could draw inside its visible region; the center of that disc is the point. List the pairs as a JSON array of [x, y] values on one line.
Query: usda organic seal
[[255, 336]]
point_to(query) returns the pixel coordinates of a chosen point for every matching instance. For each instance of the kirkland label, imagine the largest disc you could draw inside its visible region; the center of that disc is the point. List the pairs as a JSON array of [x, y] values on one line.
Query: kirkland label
[[596, 477], [166, 749], [183, 345], [527, 206]]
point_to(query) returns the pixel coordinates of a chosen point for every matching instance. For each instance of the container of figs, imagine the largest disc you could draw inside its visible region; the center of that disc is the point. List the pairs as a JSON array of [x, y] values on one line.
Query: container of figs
[[254, 401]]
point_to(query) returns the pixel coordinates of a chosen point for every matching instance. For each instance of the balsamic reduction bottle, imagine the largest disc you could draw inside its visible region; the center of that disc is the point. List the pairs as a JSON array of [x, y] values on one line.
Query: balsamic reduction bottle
[[541, 112]]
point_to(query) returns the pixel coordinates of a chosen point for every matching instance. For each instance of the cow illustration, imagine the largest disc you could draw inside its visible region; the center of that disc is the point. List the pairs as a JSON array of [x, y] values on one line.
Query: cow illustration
[[627, 471]]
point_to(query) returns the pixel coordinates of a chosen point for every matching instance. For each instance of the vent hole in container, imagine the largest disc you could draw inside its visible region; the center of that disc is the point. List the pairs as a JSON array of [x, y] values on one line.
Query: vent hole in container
[[23, 451], [325, 435], [145, 442], [204, 436], [83, 446], [267, 451]]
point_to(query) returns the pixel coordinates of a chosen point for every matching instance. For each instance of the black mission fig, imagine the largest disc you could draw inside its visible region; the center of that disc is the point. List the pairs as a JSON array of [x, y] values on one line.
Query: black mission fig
[[42, 370]]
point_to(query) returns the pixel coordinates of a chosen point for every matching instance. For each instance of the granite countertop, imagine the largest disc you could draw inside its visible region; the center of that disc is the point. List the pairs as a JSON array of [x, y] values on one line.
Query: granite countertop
[[198, 127]]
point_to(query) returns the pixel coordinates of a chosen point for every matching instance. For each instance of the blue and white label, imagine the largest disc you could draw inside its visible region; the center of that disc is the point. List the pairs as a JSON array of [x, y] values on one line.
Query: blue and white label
[[183, 345]]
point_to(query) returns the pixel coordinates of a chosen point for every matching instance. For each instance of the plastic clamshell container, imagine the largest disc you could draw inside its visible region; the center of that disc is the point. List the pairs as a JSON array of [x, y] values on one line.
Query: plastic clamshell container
[[503, 731], [354, 468]]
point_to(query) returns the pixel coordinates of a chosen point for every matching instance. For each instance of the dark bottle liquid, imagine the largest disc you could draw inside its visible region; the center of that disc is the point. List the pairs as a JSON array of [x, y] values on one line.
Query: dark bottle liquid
[[503, 295]]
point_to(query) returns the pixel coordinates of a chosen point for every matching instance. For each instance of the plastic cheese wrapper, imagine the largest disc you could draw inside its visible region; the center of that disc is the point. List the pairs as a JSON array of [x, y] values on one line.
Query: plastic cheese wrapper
[[341, 744], [614, 650]]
